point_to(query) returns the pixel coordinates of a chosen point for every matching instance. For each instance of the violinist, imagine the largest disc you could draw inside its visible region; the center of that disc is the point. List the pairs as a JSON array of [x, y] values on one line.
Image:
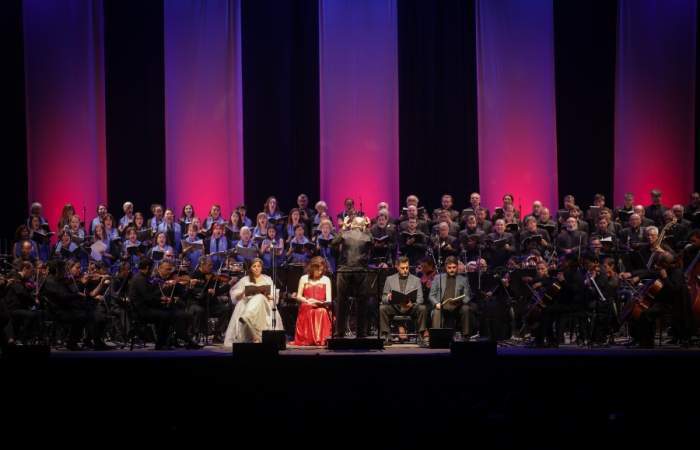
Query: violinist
[[543, 314], [208, 296], [66, 299], [156, 301], [95, 283], [598, 298], [22, 301]]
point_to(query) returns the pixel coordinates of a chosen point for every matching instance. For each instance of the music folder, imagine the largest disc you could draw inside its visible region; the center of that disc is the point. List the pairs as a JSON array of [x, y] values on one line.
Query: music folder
[[302, 248], [251, 290], [453, 300], [192, 246], [399, 298], [247, 252]]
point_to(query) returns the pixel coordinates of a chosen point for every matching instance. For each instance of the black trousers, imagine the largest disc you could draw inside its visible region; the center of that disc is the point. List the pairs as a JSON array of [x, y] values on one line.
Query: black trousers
[[164, 319], [460, 317], [217, 309], [98, 319], [419, 313], [493, 318], [77, 318], [25, 323], [351, 284]]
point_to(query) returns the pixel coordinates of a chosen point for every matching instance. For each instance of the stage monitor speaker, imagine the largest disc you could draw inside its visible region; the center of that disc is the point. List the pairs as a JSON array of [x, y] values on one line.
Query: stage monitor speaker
[[254, 351], [276, 338], [355, 344], [441, 337], [476, 349]]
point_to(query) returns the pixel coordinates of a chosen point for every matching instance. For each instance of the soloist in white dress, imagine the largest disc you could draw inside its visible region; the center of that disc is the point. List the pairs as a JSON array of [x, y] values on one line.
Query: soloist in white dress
[[251, 315]]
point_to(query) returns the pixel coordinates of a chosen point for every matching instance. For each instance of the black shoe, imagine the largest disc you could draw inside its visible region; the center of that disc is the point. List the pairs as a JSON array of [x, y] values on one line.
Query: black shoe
[[387, 341]]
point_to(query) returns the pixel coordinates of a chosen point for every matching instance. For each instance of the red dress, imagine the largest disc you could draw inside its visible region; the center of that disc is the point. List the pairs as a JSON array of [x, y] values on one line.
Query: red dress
[[313, 324]]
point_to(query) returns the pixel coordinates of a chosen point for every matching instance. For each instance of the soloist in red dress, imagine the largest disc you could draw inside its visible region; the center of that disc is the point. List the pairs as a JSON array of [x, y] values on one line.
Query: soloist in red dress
[[313, 324]]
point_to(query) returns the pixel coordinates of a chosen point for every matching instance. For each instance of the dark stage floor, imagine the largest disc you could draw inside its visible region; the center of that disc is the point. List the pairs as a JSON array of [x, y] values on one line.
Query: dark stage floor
[[544, 398]]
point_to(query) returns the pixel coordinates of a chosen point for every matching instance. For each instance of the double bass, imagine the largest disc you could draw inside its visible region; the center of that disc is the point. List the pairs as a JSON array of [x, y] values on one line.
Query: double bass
[[692, 277]]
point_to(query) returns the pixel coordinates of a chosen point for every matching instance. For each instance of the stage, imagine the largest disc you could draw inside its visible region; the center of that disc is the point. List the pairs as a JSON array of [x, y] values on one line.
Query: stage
[[574, 392]]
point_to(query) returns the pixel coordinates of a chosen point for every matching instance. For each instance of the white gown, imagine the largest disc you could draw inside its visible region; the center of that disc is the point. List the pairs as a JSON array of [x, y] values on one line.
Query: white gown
[[256, 312]]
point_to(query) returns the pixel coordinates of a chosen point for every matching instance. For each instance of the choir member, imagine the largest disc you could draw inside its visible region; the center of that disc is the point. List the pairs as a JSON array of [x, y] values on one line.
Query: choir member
[[216, 245], [501, 244], [101, 212], [300, 248], [172, 230], [271, 244], [412, 242], [446, 204], [246, 242], [623, 213], [320, 207], [245, 220], [127, 219], [193, 246], [293, 221], [186, 216], [641, 211], [214, 217], [655, 211], [158, 251], [571, 239], [41, 238], [323, 244], [66, 214], [233, 228], [307, 214], [260, 230], [157, 219]]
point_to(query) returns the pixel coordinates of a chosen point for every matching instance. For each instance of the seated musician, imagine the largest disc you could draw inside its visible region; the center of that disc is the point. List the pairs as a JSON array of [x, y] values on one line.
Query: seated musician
[[679, 214], [208, 296], [444, 244], [172, 230], [444, 217], [253, 313], [22, 302], [66, 301], [673, 297], [412, 242], [533, 238], [543, 313], [571, 239], [446, 204], [246, 242], [157, 301], [450, 297], [314, 294], [692, 210], [94, 284], [217, 245], [403, 282]]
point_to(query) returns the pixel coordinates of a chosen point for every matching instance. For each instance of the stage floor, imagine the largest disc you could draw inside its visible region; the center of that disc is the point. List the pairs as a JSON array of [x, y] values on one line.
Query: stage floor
[[523, 397]]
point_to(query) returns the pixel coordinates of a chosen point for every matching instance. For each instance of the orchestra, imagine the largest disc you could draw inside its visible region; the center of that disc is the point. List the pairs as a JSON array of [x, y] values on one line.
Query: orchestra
[[594, 276]]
